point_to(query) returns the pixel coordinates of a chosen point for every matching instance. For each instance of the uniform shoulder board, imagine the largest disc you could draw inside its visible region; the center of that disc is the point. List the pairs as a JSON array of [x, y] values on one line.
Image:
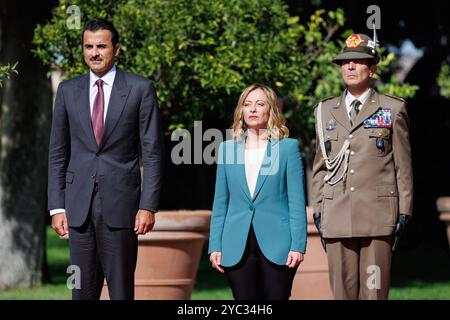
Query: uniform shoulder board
[[323, 100], [396, 98]]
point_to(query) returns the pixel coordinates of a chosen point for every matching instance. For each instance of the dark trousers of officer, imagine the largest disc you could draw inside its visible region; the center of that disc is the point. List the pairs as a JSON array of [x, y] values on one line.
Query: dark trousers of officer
[[103, 252], [256, 278], [360, 267]]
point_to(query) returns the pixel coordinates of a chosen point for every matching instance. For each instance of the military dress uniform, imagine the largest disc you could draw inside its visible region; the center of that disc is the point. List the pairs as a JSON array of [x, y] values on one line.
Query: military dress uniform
[[362, 181]]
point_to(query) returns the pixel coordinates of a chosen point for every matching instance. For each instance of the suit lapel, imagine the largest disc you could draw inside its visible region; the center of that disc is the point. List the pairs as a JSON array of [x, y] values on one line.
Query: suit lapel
[[339, 112], [269, 166], [119, 94], [369, 107], [81, 99], [241, 168]]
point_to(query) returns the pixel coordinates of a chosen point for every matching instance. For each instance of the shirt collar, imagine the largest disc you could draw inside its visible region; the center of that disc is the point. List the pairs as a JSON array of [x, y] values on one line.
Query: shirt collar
[[349, 98], [108, 78]]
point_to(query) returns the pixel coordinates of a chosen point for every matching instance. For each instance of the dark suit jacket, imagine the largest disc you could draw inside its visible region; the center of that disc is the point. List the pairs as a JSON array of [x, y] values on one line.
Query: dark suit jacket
[[132, 128]]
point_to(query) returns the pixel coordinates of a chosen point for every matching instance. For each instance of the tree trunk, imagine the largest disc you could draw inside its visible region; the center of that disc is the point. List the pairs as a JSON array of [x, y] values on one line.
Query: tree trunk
[[25, 115]]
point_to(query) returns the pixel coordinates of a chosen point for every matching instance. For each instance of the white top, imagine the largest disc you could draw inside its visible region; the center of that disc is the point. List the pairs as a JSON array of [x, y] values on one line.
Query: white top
[[253, 162], [349, 98]]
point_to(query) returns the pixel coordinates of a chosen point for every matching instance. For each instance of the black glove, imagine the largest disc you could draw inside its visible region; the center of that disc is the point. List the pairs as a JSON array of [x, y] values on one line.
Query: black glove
[[316, 217], [399, 229]]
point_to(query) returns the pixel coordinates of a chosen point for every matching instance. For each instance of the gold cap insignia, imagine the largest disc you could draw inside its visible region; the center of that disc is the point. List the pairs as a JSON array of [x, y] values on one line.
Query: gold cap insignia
[[354, 41]]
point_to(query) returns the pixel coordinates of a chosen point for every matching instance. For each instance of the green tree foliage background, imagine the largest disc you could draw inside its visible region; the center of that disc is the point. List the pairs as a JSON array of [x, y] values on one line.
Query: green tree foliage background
[[203, 53], [5, 72], [443, 80]]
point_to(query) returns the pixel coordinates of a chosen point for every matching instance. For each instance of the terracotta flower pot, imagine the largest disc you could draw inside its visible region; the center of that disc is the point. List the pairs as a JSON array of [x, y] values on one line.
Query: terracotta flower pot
[[443, 206], [311, 281], [169, 255]]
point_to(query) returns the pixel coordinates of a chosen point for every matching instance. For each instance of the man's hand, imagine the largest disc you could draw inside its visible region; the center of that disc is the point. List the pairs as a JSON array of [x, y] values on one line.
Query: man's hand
[[294, 259], [399, 229], [59, 224], [215, 258], [145, 220], [316, 217]]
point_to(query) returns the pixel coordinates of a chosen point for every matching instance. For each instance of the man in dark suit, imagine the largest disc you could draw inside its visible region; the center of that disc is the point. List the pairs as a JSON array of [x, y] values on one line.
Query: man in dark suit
[[102, 122]]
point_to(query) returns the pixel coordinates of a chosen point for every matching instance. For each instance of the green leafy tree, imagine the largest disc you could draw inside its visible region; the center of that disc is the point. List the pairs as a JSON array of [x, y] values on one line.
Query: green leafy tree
[[443, 80], [202, 54], [5, 72]]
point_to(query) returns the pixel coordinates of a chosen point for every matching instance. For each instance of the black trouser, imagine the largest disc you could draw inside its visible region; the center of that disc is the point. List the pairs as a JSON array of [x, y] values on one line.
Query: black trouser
[[256, 278], [103, 252]]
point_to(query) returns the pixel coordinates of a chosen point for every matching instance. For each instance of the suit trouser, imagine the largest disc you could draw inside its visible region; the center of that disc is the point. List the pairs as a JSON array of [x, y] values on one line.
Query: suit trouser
[[103, 252], [360, 267], [256, 278]]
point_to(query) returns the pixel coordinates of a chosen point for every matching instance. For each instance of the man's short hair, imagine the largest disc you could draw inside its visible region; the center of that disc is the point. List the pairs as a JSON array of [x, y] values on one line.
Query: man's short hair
[[102, 24]]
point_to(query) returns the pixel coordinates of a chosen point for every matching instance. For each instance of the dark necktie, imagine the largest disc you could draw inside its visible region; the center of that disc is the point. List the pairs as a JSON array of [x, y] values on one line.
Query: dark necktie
[[354, 110], [98, 112]]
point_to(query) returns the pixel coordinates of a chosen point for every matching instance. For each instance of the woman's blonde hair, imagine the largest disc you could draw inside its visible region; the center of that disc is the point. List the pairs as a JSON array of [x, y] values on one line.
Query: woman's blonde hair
[[276, 128]]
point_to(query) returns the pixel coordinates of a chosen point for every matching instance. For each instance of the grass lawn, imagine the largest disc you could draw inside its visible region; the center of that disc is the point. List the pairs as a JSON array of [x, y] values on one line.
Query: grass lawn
[[416, 274], [421, 274]]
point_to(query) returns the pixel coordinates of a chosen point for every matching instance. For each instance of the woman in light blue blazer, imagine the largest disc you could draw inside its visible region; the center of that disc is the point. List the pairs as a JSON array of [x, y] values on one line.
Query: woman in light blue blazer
[[258, 226]]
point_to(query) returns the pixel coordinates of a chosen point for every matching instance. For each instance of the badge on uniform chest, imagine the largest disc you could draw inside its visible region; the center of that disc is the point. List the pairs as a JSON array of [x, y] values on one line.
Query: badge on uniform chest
[[380, 119], [380, 143], [384, 135], [331, 125]]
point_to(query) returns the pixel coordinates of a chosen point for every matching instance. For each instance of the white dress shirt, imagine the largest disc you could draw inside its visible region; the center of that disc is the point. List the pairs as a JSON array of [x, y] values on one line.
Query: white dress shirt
[[108, 81], [253, 162], [349, 98]]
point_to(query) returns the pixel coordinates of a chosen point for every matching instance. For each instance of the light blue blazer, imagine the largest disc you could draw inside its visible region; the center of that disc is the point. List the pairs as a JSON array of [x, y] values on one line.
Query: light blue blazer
[[277, 208]]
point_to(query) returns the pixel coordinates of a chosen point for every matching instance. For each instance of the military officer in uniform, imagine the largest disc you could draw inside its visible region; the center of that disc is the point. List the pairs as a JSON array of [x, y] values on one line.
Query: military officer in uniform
[[362, 177]]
